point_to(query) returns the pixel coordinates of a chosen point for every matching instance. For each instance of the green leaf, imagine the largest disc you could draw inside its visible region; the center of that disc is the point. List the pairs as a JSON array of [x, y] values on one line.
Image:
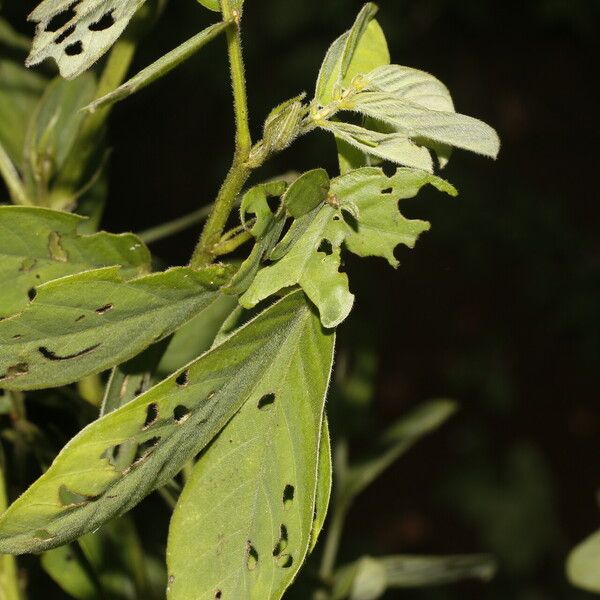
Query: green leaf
[[307, 192], [216, 6], [160, 68], [369, 578], [20, 91], [9, 577], [583, 565], [315, 271], [396, 441], [54, 128], [419, 123], [379, 227], [362, 211], [77, 34], [243, 523], [324, 485], [85, 323], [38, 245], [359, 50], [395, 147], [171, 423]]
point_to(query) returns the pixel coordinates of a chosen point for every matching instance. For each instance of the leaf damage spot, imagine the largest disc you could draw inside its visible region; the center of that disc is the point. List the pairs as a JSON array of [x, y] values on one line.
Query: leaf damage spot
[[388, 190], [60, 19], [50, 355], [105, 22], [218, 594], [282, 543], [74, 49], [183, 379], [27, 265], [69, 498], [31, 294], [288, 496], [57, 252], [44, 535], [251, 556], [266, 401], [151, 415], [15, 371], [181, 413], [68, 32], [284, 561], [104, 309]]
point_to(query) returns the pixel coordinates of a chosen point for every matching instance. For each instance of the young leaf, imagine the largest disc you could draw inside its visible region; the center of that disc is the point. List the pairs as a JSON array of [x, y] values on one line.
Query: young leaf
[[76, 33], [20, 91], [307, 192], [53, 129], [85, 323], [243, 523], [305, 265], [38, 245], [324, 485], [160, 68], [216, 5], [359, 50], [397, 440], [170, 424], [362, 211], [583, 565], [420, 123], [394, 147]]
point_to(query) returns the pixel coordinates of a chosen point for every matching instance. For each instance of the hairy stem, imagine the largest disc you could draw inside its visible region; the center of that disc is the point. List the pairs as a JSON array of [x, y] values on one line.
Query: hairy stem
[[239, 171]]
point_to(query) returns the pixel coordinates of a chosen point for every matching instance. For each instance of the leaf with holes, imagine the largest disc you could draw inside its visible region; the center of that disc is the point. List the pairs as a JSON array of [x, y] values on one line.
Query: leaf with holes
[[85, 323], [76, 33], [38, 245], [244, 521], [98, 476], [362, 212]]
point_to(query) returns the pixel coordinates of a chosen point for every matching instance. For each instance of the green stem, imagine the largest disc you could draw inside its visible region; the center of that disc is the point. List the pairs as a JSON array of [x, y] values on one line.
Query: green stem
[[240, 172], [13, 182], [165, 230], [9, 577]]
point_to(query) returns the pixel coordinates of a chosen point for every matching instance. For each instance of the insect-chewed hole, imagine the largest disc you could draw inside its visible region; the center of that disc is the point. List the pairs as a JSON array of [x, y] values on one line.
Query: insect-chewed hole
[[288, 496], [218, 594], [251, 556], [350, 220], [282, 543], [44, 535], [388, 190], [79, 318], [183, 378], [71, 498], [17, 336], [266, 401], [151, 415], [74, 49], [284, 561], [31, 294], [51, 355], [102, 310], [105, 22], [325, 247], [181, 413], [62, 18], [68, 32]]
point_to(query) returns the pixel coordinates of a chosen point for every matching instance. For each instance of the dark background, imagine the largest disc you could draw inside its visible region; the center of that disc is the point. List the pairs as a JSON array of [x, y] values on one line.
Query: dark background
[[498, 306]]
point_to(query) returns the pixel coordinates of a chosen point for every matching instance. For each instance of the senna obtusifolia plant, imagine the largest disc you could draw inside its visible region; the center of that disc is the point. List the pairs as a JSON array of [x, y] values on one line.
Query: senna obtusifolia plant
[[219, 370]]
